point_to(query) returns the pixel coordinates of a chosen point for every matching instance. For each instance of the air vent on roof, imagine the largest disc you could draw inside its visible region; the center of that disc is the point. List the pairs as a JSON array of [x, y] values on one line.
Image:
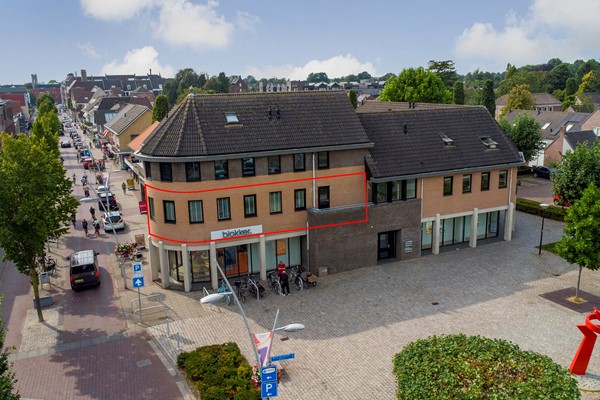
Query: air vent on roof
[[447, 141], [489, 143], [270, 113], [232, 118]]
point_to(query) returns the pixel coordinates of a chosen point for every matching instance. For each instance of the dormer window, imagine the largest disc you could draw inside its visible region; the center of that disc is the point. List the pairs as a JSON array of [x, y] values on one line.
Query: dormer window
[[489, 143], [232, 118], [546, 125], [447, 141]]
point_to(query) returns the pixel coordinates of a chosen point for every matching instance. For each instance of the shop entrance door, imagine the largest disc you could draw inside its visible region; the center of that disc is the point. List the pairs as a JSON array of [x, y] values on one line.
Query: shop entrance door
[[386, 245]]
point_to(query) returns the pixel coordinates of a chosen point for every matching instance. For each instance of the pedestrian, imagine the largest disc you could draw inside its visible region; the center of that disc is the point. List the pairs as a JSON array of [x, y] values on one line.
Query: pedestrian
[[74, 220], [96, 224], [74, 179], [285, 284], [84, 224], [281, 268], [124, 187], [93, 212], [86, 192]]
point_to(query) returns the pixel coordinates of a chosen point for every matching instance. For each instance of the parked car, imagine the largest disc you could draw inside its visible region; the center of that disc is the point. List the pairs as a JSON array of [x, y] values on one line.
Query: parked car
[[544, 172], [103, 189], [83, 269], [65, 143], [112, 202], [112, 220]]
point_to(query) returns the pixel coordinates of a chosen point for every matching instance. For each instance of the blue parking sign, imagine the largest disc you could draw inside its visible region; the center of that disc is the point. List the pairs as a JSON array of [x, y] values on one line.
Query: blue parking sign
[[268, 389], [137, 269], [138, 282]]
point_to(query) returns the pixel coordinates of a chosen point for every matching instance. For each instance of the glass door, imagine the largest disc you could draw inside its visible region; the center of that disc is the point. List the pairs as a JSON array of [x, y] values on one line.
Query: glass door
[[386, 245]]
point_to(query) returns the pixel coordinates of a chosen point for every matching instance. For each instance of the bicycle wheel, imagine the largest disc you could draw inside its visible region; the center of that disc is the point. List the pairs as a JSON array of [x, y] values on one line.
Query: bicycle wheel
[[278, 288], [298, 282]]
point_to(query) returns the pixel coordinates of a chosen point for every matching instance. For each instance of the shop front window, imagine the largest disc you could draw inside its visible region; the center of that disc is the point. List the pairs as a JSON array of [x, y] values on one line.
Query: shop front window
[[175, 265], [200, 265]]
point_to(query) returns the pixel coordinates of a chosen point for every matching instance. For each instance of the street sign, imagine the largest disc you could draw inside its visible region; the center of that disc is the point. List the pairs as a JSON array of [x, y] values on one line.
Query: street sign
[[138, 282], [268, 389], [282, 357], [268, 373], [137, 269]]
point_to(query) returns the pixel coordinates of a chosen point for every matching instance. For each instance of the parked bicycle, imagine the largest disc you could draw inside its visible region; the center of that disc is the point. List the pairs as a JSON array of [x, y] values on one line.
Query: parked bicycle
[[48, 264], [296, 278], [241, 288], [274, 283], [254, 287], [223, 289]]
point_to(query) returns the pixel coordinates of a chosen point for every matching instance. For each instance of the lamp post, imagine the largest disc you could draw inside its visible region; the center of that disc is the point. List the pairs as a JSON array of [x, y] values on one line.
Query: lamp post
[[217, 297], [543, 206]]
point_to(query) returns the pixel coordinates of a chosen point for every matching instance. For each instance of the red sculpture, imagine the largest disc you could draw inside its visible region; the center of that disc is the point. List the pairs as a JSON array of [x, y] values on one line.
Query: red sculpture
[[584, 352]]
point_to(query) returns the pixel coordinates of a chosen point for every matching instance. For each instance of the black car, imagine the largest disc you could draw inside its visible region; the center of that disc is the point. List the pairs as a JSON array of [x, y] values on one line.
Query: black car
[[544, 172]]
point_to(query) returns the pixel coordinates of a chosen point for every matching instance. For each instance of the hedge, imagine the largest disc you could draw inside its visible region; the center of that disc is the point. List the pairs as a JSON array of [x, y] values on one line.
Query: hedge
[[219, 372], [461, 367], [533, 207]]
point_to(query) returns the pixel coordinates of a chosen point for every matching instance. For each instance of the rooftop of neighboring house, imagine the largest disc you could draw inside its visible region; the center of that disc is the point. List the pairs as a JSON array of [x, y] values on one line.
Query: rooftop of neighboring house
[[592, 98], [539, 99], [583, 137], [371, 106], [421, 142], [13, 89], [275, 123], [551, 121], [136, 144], [126, 116]]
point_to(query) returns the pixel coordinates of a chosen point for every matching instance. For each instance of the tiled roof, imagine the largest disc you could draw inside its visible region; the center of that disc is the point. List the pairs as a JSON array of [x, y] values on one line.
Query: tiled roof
[[136, 144], [552, 120], [575, 138], [371, 106], [125, 117], [539, 99], [422, 151], [198, 126], [593, 98]]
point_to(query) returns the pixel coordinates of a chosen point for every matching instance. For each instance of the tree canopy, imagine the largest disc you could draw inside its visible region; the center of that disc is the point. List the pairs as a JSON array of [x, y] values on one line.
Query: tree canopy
[[519, 98], [315, 77], [526, 135], [160, 107], [416, 84], [445, 69], [459, 93], [489, 99], [577, 170]]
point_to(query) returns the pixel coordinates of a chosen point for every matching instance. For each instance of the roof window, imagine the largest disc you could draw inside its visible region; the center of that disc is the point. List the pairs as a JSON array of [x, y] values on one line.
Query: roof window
[[488, 142], [569, 126], [447, 141], [232, 118], [546, 125]]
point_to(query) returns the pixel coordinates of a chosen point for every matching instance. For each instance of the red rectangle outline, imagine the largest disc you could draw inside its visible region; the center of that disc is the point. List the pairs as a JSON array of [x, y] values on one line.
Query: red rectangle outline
[[366, 219]]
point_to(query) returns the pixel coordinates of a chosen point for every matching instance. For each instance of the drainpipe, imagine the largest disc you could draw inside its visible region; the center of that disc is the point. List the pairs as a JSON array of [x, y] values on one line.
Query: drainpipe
[[314, 182]]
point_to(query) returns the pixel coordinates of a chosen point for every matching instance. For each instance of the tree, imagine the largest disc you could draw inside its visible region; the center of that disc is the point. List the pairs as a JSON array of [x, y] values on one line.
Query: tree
[[160, 107], [353, 99], [459, 93], [317, 77], [7, 377], [184, 79], [387, 76], [445, 69], [416, 84], [526, 135], [557, 77], [577, 170], [45, 98], [475, 367], [488, 98], [364, 75], [519, 98], [35, 202], [590, 83], [580, 243]]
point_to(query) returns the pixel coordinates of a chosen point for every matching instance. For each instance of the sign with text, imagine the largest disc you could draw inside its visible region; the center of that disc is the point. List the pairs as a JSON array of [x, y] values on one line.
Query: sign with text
[[282, 357], [235, 232], [137, 269]]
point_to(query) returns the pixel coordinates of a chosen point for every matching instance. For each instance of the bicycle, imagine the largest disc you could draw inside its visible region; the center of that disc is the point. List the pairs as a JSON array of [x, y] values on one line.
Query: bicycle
[[274, 283], [48, 264], [296, 277], [240, 290], [223, 289], [254, 287]]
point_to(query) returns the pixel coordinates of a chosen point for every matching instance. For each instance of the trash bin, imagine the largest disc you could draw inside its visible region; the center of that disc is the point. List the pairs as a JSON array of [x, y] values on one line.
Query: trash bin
[[44, 277], [322, 271]]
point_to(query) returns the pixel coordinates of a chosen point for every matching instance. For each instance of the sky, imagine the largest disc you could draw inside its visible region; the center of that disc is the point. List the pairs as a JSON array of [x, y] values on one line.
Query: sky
[[289, 38]]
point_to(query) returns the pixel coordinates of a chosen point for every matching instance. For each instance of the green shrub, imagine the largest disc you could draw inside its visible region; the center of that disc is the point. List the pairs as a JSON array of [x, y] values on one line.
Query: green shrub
[[533, 207], [219, 372], [461, 367]]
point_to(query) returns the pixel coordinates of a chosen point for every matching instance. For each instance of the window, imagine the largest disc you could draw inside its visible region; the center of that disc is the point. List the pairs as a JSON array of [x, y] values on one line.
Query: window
[[148, 170], [231, 118], [485, 181], [448, 186], [151, 208], [381, 192], [466, 183], [411, 189], [394, 191], [502, 179], [275, 202], [300, 199], [192, 171], [323, 197], [247, 166], [169, 208], [323, 160], [250, 205], [223, 211], [274, 164], [221, 170], [489, 142], [299, 163], [166, 174], [195, 209]]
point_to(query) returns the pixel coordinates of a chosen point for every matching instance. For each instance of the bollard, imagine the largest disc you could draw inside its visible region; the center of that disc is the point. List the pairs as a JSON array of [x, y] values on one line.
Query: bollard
[[178, 347], [168, 328]]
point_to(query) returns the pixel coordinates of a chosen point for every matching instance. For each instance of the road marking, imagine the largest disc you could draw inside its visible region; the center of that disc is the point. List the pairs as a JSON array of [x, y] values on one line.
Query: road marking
[[144, 363]]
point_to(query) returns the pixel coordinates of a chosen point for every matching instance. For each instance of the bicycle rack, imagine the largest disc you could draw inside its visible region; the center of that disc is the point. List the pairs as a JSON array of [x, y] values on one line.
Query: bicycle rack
[[251, 282]]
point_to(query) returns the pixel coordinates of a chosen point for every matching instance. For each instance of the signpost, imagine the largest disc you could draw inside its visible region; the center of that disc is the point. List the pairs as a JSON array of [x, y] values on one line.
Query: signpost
[[138, 282], [268, 381], [282, 357]]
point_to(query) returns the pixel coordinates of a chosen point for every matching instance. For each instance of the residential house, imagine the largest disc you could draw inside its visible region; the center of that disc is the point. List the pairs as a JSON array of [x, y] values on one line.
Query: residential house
[[237, 84], [587, 102], [249, 180], [129, 122], [7, 120], [567, 141], [541, 101]]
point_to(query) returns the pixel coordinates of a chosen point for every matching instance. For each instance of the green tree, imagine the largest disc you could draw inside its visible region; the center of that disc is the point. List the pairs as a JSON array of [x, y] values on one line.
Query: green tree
[[387, 76], [416, 84], [35, 203], [44, 101], [353, 99], [571, 87], [445, 69], [580, 243], [7, 377], [587, 67], [526, 135], [160, 107], [519, 98], [488, 97], [590, 83], [459, 93], [184, 79], [557, 77], [317, 77], [440, 367], [577, 170]]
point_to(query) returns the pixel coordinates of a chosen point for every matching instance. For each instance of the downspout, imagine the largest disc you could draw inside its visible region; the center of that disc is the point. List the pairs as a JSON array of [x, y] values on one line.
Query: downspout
[[314, 182]]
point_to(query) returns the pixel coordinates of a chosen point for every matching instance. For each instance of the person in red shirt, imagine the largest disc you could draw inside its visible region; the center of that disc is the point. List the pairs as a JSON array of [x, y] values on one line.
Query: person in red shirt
[[281, 268]]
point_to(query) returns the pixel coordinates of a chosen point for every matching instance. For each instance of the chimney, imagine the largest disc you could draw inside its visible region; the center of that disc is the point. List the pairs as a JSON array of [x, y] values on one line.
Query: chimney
[[83, 75], [405, 127], [278, 113]]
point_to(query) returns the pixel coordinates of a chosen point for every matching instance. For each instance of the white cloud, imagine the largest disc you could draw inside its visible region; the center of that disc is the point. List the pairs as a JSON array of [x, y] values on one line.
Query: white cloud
[[114, 10], [334, 67], [182, 23], [246, 21], [88, 50], [550, 29], [138, 61]]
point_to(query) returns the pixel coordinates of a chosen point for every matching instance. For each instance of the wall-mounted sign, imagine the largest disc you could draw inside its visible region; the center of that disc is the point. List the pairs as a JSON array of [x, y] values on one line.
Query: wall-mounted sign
[[408, 244], [236, 232]]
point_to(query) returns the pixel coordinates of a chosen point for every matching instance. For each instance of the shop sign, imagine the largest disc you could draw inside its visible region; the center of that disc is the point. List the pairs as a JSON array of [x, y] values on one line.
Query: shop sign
[[408, 245], [236, 232]]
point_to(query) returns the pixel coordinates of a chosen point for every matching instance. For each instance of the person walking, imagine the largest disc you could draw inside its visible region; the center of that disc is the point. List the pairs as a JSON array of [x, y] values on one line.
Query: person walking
[[281, 268], [96, 224], [285, 284], [84, 224], [124, 187], [93, 212]]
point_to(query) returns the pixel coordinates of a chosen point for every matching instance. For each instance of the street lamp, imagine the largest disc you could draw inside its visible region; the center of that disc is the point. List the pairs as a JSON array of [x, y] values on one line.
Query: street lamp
[[217, 297], [543, 206]]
